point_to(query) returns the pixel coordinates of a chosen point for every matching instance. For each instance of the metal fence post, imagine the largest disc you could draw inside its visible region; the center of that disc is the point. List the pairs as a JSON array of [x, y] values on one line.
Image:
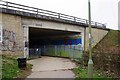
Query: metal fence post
[[75, 19], [37, 11], [95, 24], [59, 15], [7, 5], [86, 21]]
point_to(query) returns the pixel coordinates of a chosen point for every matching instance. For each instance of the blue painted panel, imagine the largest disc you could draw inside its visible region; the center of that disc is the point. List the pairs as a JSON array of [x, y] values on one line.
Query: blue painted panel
[[67, 42]]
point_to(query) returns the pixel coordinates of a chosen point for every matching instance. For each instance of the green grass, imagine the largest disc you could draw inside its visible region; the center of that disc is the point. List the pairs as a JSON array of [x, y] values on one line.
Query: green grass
[[112, 37], [10, 68], [82, 73]]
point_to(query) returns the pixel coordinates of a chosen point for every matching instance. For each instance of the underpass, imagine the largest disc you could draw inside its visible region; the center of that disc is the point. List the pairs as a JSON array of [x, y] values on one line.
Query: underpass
[[51, 42], [37, 32]]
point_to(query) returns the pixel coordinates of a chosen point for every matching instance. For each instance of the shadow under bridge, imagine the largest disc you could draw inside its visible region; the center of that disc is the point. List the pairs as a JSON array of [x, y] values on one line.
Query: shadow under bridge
[[49, 42]]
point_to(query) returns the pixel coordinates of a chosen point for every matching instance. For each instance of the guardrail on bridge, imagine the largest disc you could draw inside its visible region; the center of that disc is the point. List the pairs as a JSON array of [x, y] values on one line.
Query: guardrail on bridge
[[37, 11]]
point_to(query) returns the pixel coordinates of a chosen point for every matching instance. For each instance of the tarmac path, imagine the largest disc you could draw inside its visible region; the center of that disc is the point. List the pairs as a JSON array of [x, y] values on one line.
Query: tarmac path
[[52, 67]]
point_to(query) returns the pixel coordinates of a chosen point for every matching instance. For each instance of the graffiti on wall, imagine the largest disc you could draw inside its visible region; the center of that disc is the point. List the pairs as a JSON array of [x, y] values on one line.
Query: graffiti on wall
[[9, 40], [74, 42]]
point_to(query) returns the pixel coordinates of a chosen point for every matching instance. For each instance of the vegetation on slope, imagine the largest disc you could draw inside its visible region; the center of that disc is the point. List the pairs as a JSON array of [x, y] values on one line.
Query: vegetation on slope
[[106, 58], [110, 43], [10, 68], [106, 55]]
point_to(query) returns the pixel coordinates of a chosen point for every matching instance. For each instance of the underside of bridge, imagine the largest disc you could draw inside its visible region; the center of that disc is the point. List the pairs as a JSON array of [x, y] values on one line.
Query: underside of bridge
[[49, 42]]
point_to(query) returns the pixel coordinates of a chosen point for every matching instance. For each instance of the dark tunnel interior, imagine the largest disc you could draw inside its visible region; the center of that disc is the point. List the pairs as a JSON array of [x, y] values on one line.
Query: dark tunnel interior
[[39, 36]]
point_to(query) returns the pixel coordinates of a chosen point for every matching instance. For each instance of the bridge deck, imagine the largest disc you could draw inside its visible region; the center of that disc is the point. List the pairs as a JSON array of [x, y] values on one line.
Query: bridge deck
[[22, 10]]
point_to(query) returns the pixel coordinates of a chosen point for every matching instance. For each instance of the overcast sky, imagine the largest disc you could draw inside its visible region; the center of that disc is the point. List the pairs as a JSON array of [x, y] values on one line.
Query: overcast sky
[[103, 11]]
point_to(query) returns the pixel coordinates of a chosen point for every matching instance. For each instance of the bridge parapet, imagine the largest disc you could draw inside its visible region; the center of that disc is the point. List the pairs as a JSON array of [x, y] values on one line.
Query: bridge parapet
[[47, 14]]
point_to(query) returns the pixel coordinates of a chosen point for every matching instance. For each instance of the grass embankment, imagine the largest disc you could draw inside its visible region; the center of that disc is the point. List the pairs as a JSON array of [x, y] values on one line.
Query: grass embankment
[[10, 68], [106, 58], [107, 54], [82, 73], [110, 43]]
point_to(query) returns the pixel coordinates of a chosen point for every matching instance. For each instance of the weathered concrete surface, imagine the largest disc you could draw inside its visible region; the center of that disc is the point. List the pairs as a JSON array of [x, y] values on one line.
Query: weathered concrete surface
[[14, 23], [37, 23], [97, 36], [97, 33], [51, 67], [12, 33]]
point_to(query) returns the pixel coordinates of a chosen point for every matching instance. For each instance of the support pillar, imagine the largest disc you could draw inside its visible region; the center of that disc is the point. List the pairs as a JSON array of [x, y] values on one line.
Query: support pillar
[[26, 41]]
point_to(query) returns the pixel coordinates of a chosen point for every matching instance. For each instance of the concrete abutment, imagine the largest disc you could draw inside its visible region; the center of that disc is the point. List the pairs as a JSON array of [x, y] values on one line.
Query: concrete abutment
[[16, 32]]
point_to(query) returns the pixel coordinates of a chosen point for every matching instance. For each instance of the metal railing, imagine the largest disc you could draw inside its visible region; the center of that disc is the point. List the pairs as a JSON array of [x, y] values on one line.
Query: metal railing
[[37, 11]]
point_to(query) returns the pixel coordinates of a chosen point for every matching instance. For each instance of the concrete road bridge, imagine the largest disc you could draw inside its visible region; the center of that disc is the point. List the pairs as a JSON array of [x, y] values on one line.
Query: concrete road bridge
[[38, 32]]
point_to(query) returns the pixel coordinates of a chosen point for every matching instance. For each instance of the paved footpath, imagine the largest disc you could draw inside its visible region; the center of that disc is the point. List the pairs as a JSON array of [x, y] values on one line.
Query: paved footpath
[[52, 67]]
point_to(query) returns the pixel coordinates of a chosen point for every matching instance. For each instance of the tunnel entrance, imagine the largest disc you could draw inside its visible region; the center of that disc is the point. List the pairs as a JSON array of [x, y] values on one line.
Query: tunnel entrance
[[49, 42]]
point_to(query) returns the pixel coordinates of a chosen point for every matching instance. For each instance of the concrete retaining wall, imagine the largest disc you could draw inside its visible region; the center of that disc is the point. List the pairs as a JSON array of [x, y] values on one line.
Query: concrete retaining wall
[[97, 35], [12, 33]]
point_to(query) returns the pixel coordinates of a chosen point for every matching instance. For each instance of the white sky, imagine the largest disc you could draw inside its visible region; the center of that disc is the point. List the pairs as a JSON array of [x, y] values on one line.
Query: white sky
[[103, 11]]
